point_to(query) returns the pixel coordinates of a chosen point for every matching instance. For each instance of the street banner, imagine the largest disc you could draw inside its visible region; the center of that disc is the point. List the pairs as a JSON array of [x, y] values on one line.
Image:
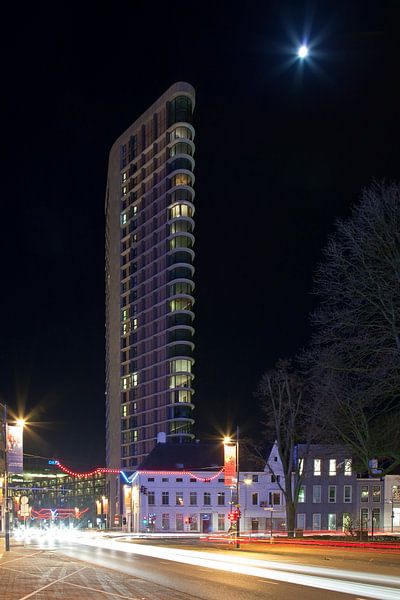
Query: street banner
[[230, 464], [14, 449]]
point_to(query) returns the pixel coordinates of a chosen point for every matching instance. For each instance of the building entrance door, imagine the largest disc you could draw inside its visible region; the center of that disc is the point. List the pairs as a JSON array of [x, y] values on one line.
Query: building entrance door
[[205, 522], [254, 525]]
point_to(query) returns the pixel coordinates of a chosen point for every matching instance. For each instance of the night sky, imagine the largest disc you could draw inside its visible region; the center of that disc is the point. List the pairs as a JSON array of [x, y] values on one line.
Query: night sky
[[281, 151]]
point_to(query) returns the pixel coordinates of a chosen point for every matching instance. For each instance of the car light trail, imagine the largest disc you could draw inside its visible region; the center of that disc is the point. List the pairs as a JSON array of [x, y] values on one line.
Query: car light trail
[[350, 582]]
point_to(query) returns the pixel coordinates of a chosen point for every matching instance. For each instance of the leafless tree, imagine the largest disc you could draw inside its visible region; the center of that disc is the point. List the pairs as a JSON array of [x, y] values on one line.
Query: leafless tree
[[289, 419], [356, 347]]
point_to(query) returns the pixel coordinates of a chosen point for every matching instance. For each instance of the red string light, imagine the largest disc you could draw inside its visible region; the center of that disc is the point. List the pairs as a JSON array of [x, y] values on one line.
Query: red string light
[[193, 475], [88, 473], [105, 470]]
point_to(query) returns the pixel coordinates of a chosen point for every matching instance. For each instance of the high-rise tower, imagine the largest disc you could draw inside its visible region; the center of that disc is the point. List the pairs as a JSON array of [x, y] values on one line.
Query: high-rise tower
[[149, 280]]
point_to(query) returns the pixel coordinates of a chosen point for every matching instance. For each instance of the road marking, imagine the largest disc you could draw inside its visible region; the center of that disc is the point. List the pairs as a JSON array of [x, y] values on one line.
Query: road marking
[[266, 581], [50, 584], [85, 587], [19, 558]]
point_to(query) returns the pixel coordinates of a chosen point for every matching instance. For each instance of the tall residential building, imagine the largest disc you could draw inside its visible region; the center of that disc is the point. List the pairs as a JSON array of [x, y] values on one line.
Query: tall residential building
[[149, 281]]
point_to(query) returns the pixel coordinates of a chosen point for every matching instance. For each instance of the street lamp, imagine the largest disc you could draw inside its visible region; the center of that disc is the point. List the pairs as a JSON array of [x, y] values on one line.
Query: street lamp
[[229, 442], [6, 506]]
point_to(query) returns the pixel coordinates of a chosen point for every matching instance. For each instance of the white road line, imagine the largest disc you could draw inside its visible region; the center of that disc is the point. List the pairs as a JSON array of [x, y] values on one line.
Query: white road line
[[266, 581], [50, 584], [19, 558], [86, 587]]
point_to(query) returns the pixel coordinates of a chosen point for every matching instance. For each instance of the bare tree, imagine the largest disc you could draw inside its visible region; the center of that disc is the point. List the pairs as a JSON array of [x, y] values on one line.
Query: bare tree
[[356, 346], [289, 419]]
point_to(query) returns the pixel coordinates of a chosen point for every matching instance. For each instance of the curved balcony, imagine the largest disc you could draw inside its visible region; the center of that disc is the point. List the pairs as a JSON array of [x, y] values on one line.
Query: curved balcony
[[179, 147], [177, 319], [180, 162], [180, 349], [180, 272], [181, 225], [180, 256], [181, 286], [183, 193], [181, 239], [182, 131]]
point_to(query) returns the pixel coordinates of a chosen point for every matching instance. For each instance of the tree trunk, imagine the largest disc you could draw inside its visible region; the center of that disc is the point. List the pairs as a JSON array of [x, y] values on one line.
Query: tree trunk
[[290, 518]]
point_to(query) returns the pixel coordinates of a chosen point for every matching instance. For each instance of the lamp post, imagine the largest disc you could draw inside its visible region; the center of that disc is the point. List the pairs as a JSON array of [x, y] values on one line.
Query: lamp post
[[5, 499], [228, 442]]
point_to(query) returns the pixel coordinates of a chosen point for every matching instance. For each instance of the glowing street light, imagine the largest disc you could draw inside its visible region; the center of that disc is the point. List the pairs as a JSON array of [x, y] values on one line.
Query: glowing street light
[[21, 422], [302, 52]]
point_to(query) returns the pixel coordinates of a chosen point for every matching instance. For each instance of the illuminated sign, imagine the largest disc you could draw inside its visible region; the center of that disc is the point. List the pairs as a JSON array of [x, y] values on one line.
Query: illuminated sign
[[14, 449], [230, 464]]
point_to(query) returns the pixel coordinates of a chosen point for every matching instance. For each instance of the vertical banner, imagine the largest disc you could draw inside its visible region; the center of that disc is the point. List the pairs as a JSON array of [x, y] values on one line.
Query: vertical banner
[[14, 449], [230, 464]]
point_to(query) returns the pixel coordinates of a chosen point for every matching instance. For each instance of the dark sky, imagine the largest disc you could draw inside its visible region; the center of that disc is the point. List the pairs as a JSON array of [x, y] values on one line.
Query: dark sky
[[281, 151]]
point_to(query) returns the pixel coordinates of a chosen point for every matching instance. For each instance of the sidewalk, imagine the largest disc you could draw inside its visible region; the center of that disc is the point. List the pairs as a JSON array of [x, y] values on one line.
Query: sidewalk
[[26, 572]]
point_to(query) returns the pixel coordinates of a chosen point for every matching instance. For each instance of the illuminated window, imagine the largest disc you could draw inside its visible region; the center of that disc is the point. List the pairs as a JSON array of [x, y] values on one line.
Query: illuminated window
[[179, 498], [376, 517], [316, 494], [364, 493], [180, 287], [302, 494], [180, 227], [124, 410], [181, 179], [332, 493], [181, 396], [376, 493], [180, 365], [124, 218], [124, 314], [317, 467], [181, 241], [180, 148], [347, 494], [332, 522], [181, 133], [301, 466], [179, 381], [124, 176], [181, 210], [332, 466], [135, 323], [347, 466], [180, 304]]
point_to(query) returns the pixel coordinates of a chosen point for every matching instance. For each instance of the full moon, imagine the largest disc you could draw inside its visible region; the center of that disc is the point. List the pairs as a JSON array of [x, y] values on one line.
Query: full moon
[[302, 51]]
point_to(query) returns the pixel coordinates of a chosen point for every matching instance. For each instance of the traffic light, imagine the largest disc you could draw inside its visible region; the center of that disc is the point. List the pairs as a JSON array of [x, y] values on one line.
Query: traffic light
[[232, 517], [143, 489]]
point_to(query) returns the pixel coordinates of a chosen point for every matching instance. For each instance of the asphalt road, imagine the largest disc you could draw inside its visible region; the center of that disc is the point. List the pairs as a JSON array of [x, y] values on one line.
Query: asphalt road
[[208, 583]]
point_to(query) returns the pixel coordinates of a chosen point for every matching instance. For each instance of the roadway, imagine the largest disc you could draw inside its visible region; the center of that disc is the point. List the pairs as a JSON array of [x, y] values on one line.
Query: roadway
[[195, 571]]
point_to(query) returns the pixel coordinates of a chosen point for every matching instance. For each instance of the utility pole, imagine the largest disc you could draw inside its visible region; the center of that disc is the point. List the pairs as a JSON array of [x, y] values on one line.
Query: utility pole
[[237, 489], [5, 500]]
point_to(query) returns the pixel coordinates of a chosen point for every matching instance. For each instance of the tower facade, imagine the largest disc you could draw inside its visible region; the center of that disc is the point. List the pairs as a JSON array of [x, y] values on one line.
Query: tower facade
[[149, 281]]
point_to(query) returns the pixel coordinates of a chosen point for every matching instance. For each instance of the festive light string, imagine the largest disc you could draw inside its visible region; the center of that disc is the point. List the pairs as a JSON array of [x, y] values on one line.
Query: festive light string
[[105, 470], [193, 475], [88, 473]]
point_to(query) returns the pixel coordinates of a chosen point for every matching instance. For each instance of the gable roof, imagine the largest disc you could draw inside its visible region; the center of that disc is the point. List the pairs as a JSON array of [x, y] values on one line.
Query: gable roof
[[190, 457]]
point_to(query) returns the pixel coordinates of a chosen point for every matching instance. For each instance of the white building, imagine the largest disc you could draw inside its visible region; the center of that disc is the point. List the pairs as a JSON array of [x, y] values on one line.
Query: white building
[[181, 488]]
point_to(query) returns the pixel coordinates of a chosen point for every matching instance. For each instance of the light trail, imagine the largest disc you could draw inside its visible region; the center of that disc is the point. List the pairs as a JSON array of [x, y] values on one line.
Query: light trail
[[348, 582]]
